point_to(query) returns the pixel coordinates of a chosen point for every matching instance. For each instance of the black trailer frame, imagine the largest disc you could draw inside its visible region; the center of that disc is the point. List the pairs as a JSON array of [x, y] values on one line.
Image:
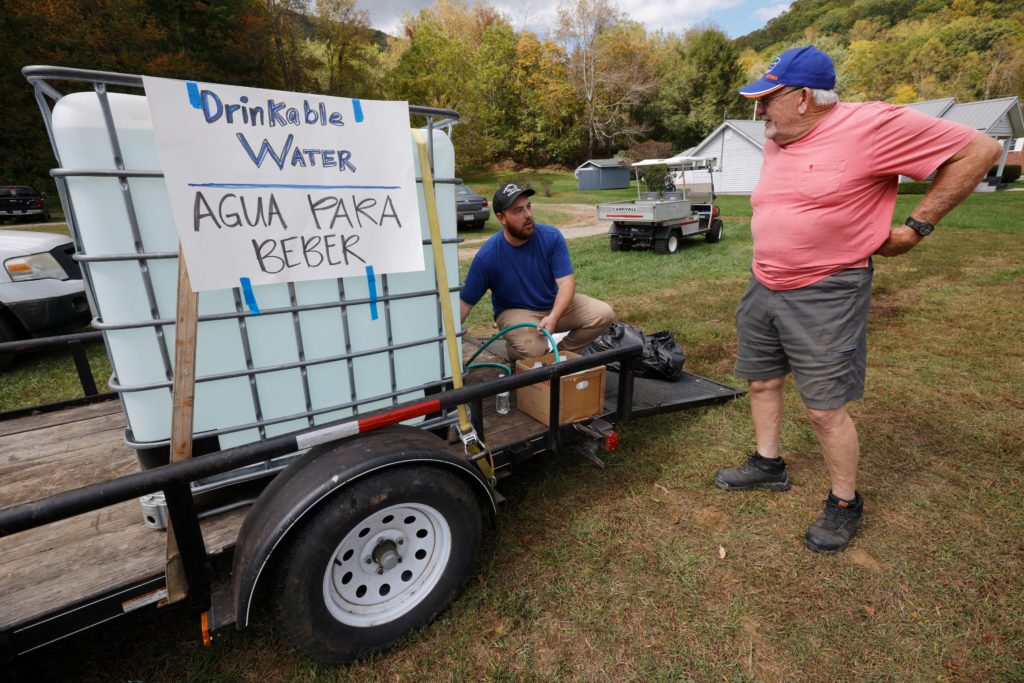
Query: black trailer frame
[[323, 460], [210, 576]]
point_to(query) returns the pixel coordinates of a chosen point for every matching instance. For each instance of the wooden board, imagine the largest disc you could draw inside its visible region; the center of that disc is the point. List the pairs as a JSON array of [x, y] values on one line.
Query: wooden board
[[46, 568]]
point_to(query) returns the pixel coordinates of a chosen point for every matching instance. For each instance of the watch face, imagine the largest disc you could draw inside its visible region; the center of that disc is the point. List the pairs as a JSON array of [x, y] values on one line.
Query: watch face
[[920, 227]]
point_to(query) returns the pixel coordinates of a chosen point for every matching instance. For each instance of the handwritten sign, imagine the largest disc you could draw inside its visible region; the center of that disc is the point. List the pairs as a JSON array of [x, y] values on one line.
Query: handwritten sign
[[279, 187]]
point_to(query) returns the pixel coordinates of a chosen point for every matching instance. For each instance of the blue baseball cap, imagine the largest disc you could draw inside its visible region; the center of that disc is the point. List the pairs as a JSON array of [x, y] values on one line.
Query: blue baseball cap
[[804, 67]]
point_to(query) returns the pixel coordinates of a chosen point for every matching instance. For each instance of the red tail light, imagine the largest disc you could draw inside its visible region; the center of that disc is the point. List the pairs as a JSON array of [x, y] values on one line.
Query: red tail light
[[610, 441]]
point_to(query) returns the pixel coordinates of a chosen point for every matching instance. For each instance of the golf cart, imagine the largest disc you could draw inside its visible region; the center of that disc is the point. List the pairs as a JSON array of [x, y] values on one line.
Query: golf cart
[[659, 220]]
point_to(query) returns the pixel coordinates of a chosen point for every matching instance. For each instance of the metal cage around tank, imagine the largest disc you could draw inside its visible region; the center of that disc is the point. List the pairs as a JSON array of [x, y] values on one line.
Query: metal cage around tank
[[293, 308]]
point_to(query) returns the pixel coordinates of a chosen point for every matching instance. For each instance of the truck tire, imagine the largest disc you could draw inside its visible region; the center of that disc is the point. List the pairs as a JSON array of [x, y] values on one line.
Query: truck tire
[[8, 333], [615, 243], [715, 233], [667, 245], [380, 558]]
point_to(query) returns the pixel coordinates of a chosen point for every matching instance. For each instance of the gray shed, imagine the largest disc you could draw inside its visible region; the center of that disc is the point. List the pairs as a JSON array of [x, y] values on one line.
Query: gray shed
[[603, 174]]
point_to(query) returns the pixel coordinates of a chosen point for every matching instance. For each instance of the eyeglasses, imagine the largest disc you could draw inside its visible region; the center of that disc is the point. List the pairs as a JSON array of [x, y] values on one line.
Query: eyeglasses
[[765, 101]]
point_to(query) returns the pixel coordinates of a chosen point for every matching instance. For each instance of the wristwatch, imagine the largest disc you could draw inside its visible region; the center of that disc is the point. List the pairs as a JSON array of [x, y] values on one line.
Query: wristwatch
[[920, 227]]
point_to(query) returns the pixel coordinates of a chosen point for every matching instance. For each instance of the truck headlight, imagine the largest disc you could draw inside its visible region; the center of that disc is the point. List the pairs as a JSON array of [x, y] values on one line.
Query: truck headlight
[[34, 267]]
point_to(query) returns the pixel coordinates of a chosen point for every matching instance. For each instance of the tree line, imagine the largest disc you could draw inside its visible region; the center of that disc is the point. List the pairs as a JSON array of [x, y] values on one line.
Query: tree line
[[592, 84]]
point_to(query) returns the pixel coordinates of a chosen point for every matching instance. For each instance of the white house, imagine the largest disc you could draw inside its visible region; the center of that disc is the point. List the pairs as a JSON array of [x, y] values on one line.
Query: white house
[[739, 144], [1000, 118], [739, 147]]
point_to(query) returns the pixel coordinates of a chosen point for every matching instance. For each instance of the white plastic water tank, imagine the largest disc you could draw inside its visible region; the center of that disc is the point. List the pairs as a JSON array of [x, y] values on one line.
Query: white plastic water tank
[[130, 294]]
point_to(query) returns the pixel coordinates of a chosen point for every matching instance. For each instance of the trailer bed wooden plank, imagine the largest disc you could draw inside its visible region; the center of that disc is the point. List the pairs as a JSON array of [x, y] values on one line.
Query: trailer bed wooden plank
[[49, 567], [29, 423]]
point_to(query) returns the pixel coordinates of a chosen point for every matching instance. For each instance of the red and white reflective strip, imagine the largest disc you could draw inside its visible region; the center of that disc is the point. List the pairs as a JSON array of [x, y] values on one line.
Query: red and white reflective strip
[[366, 424]]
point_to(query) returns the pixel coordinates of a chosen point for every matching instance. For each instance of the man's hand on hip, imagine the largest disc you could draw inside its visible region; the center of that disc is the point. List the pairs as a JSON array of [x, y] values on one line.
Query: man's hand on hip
[[901, 240]]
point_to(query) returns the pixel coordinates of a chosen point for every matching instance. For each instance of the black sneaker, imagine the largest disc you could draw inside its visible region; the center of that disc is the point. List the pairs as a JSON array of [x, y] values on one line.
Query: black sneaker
[[757, 472], [833, 531]]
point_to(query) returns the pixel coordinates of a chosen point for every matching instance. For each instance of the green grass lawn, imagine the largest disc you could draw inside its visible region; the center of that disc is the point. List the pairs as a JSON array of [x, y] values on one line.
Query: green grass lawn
[[644, 571]]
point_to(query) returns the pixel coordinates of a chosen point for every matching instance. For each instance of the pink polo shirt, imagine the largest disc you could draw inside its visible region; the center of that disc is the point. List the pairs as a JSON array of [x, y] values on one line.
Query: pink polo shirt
[[825, 202]]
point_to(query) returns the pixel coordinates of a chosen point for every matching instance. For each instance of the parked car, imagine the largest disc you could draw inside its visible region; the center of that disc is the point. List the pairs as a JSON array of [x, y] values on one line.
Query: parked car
[[471, 207], [22, 202], [41, 289]]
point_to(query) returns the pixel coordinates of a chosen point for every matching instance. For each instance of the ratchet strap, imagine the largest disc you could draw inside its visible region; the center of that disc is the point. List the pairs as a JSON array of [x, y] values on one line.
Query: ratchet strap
[[476, 450]]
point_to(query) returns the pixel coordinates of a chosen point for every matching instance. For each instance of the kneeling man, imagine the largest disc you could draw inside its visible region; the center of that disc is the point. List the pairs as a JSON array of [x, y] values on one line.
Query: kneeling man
[[526, 267]]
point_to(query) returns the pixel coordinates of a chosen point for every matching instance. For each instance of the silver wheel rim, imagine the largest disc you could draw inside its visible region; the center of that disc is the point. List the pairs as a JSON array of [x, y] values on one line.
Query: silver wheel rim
[[673, 244], [387, 564]]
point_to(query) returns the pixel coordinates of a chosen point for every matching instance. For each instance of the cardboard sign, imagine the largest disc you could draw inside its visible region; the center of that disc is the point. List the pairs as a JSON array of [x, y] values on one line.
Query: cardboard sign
[[269, 186]]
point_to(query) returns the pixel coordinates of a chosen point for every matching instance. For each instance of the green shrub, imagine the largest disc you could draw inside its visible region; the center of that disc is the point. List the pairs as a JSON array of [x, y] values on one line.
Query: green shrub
[[652, 178]]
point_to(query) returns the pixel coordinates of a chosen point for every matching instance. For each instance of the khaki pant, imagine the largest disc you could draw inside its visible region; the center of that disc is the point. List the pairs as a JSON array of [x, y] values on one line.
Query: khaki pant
[[585, 320]]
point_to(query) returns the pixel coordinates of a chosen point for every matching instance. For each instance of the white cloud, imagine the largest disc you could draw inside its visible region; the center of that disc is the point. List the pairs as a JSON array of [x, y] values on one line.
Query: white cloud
[[670, 16]]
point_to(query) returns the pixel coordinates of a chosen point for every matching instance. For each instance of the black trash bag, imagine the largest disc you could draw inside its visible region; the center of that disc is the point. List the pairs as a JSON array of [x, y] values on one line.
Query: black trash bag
[[662, 358]]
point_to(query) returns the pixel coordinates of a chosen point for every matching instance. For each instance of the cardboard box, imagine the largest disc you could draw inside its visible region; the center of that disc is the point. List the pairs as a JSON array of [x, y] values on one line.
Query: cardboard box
[[582, 394]]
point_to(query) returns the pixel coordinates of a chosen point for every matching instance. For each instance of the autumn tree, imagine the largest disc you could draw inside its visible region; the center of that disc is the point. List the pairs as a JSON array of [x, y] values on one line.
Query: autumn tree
[[580, 24], [449, 43], [343, 48], [549, 125], [285, 20], [700, 74]]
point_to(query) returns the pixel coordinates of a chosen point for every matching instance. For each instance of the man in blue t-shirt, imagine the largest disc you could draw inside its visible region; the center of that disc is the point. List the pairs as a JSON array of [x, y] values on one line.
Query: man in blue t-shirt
[[527, 268]]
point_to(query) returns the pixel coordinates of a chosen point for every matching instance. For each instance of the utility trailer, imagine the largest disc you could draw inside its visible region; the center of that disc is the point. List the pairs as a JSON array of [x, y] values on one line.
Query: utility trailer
[[351, 522], [659, 220]]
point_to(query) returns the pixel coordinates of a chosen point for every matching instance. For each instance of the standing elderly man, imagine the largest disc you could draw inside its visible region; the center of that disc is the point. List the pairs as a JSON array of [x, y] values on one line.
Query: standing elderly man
[[527, 268], [822, 208]]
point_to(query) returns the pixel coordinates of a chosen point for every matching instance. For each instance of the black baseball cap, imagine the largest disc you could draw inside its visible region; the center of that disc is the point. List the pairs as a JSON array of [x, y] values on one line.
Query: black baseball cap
[[507, 194]]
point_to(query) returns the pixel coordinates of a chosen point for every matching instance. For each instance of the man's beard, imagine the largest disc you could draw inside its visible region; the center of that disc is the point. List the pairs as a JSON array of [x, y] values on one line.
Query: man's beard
[[523, 232]]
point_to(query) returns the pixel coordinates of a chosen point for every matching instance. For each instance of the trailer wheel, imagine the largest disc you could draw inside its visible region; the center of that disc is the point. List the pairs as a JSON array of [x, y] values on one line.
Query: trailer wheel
[[382, 557], [715, 234], [615, 243], [667, 245]]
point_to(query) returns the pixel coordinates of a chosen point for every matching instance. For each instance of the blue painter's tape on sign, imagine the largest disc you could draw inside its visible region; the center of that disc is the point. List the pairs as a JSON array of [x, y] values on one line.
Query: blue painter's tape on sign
[[357, 110], [372, 284], [193, 95], [249, 296]]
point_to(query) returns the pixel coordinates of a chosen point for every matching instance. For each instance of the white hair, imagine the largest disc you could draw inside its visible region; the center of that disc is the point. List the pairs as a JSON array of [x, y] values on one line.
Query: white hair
[[824, 98]]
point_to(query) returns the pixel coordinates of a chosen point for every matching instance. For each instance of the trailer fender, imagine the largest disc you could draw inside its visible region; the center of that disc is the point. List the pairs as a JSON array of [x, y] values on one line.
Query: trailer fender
[[318, 474]]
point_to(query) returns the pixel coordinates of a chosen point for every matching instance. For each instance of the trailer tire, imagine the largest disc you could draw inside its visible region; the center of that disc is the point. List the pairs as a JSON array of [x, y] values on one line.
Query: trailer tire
[[715, 234], [615, 243], [380, 558], [667, 245]]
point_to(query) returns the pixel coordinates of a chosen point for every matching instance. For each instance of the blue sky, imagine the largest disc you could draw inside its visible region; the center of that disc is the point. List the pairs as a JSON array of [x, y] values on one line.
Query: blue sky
[[735, 17]]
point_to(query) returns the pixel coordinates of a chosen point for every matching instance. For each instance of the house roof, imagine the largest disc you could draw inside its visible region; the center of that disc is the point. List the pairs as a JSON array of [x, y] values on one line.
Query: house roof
[[934, 108], [753, 131], [983, 115]]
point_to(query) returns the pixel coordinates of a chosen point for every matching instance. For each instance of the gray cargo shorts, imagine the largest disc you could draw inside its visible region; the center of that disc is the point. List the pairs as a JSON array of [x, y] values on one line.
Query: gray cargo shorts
[[818, 332]]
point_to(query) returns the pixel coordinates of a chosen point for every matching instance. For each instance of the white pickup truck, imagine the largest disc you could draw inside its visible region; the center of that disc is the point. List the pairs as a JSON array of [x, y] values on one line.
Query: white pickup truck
[[41, 290]]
